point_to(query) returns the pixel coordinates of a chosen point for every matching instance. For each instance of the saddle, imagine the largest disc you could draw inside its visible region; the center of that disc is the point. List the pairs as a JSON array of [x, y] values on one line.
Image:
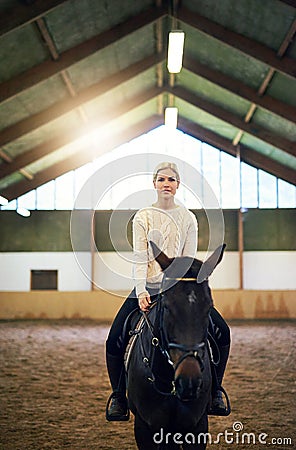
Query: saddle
[[133, 326]]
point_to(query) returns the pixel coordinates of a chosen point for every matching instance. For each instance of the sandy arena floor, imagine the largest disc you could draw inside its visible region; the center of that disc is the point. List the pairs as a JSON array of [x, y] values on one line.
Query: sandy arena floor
[[54, 387]]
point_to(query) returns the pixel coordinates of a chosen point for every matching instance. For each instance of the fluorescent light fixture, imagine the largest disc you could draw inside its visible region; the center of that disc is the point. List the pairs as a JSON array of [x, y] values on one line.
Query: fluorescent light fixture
[[171, 117], [175, 51], [3, 200], [23, 212]]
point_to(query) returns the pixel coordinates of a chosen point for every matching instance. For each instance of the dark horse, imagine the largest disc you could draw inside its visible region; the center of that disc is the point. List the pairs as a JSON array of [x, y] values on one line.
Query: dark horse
[[169, 375]]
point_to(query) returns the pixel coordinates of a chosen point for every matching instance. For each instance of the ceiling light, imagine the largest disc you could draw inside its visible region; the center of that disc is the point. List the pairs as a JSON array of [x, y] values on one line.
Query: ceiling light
[[171, 117], [3, 200], [175, 51], [23, 212]]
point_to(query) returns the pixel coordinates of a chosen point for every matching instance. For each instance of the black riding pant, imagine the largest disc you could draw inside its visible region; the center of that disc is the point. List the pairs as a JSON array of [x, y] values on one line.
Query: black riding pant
[[115, 345], [221, 329]]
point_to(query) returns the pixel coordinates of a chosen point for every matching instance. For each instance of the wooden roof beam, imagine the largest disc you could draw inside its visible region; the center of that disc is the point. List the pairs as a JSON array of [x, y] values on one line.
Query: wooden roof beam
[[63, 139], [80, 158], [65, 106], [20, 14], [236, 87], [49, 68], [290, 3], [248, 155], [228, 117], [246, 45]]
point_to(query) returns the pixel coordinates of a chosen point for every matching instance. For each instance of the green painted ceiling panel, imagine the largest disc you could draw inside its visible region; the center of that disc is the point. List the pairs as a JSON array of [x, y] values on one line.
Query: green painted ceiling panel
[[215, 94], [5, 5], [113, 59], [276, 124], [291, 51], [20, 57], [283, 88], [209, 51], [135, 116], [121, 94], [94, 69], [269, 150], [15, 177], [264, 21], [78, 20], [64, 124], [205, 120], [32, 101]]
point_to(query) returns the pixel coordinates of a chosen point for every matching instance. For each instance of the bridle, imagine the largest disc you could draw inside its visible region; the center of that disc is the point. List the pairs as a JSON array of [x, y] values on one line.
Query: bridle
[[196, 351]]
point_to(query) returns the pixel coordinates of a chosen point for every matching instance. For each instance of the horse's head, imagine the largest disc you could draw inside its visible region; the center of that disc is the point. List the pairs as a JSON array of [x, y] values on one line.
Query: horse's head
[[185, 306]]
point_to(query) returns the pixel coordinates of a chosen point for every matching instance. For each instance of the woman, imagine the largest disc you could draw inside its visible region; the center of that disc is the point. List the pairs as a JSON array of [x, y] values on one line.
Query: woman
[[173, 228]]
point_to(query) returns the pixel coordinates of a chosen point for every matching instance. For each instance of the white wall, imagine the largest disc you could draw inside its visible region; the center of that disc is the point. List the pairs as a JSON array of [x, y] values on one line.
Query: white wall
[[270, 270], [113, 272], [15, 273], [226, 274]]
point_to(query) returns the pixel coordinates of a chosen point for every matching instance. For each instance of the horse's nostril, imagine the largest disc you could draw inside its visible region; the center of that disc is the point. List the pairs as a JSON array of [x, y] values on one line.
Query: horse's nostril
[[188, 388], [179, 384]]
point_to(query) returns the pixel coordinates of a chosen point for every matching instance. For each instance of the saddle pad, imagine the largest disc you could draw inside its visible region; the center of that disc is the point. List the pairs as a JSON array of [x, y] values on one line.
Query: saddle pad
[[132, 341]]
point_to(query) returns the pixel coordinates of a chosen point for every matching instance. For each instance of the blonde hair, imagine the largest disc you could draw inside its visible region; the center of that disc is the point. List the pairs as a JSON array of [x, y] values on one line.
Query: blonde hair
[[166, 165]]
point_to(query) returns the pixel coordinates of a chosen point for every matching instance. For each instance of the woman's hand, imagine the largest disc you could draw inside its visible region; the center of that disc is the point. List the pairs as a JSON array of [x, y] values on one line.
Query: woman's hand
[[144, 301]]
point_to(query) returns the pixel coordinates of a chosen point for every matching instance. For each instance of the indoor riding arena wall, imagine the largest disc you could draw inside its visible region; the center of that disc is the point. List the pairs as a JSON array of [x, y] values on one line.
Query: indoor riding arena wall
[[53, 379], [254, 281]]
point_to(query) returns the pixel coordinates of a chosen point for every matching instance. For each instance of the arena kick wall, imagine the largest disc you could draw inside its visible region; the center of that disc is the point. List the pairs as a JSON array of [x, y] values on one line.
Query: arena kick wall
[[43, 241]]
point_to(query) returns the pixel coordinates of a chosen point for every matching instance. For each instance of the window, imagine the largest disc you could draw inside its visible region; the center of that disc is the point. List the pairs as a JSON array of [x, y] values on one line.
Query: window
[[44, 280], [286, 195], [230, 181], [232, 184], [28, 200], [267, 190], [65, 191], [211, 173], [249, 186], [46, 196]]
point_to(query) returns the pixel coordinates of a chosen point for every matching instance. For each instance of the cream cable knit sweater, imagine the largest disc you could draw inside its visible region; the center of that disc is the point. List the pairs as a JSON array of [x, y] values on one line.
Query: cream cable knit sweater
[[174, 231]]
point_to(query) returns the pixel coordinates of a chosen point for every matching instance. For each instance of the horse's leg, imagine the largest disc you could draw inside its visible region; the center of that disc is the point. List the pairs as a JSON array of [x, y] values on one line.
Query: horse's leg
[[143, 435], [197, 440]]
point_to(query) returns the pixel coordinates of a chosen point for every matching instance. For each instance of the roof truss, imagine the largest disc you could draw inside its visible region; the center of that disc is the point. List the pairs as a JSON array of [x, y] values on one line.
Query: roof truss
[[166, 91]]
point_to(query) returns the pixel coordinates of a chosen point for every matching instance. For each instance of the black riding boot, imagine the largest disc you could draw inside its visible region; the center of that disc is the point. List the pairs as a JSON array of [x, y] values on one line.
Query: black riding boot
[[117, 407], [218, 406]]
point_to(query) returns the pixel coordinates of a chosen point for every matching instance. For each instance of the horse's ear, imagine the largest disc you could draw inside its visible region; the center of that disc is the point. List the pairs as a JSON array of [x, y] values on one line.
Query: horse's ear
[[160, 257], [211, 263]]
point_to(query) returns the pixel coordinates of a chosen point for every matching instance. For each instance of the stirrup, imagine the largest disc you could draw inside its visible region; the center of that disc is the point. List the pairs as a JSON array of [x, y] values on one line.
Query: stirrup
[[110, 418], [219, 411]]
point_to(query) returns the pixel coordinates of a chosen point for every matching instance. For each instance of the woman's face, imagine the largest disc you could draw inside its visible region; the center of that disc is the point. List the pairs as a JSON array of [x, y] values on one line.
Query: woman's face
[[166, 183]]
